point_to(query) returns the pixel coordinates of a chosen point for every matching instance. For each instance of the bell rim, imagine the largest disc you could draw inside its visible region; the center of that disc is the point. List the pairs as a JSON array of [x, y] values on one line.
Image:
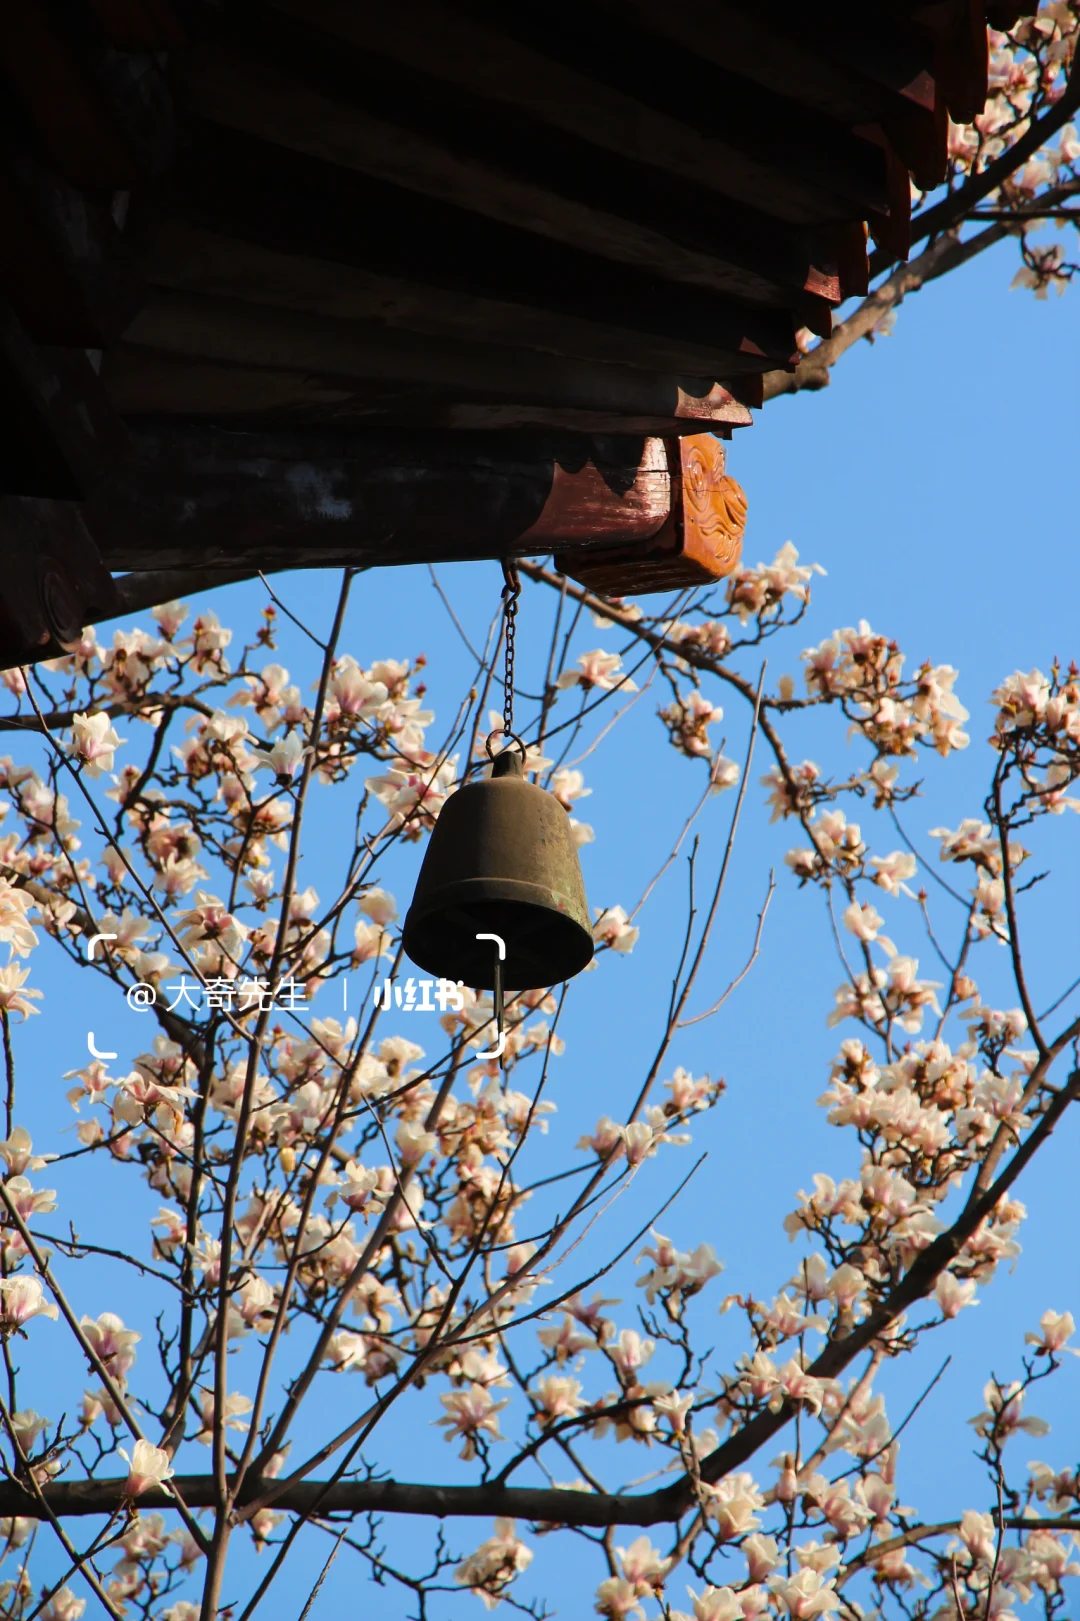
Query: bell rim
[[518, 890]]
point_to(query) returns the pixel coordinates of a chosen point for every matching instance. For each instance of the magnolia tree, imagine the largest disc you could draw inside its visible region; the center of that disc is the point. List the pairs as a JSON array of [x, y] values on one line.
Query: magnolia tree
[[354, 1239]]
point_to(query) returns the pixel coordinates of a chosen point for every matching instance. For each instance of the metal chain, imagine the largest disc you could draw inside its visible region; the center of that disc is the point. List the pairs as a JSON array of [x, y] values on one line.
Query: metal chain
[[510, 594]]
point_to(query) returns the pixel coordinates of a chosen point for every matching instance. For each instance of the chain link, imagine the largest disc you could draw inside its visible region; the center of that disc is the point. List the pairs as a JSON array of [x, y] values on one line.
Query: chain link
[[510, 594]]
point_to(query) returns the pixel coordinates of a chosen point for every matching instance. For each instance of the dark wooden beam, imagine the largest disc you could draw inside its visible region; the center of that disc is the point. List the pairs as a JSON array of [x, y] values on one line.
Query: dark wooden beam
[[149, 588], [64, 265], [202, 497], [841, 74], [88, 114], [812, 152], [508, 111], [60, 434], [240, 357], [185, 257], [240, 186], [140, 25], [231, 86]]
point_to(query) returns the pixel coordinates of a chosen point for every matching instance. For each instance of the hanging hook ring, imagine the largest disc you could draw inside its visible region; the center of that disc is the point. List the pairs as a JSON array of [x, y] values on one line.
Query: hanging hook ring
[[504, 731]]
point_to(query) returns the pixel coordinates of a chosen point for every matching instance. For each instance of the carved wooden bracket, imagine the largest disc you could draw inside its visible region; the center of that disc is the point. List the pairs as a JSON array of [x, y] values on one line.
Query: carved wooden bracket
[[701, 540]]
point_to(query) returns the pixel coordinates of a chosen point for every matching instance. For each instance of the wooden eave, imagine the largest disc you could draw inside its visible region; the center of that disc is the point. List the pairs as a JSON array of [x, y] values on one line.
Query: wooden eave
[[485, 242]]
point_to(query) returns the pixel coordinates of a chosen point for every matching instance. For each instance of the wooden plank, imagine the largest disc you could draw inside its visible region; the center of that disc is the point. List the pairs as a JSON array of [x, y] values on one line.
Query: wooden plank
[[42, 67], [61, 434], [140, 25], [783, 49], [416, 367], [64, 266], [437, 47], [186, 257], [508, 137], [153, 382], [196, 496], [228, 86], [293, 203]]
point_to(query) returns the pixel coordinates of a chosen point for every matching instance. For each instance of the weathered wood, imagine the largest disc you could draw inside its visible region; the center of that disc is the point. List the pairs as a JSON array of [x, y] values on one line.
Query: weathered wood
[[579, 503], [623, 54], [196, 497], [189, 258], [64, 266], [785, 51], [231, 86], [48, 75], [837, 73], [379, 375], [61, 435], [140, 25], [53, 581], [486, 62], [294, 203], [149, 588], [700, 543]]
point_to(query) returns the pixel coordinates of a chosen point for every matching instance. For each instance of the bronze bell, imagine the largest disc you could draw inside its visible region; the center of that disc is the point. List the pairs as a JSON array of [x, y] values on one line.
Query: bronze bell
[[501, 860]]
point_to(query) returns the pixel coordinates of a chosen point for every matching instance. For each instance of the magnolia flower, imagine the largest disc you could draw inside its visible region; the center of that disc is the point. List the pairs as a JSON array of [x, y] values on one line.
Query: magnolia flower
[[63, 1606], [617, 1598], [469, 1414], [892, 870], [733, 1503], [865, 923], [413, 1142], [21, 1298], [714, 1604], [674, 1408], [372, 941], [28, 1427], [952, 1295], [148, 1466], [18, 1153], [113, 1343], [643, 1564], [613, 929], [558, 1396], [567, 786], [13, 999], [639, 1142], [1002, 1415], [979, 1536], [14, 929], [630, 1352], [597, 669], [170, 616], [723, 773], [353, 696], [379, 905], [494, 1565], [235, 1408], [804, 1595], [1057, 1327], [283, 758], [95, 742]]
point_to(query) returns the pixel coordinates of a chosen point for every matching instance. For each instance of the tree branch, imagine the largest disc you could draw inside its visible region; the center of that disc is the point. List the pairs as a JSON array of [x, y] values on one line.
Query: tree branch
[[541, 1505], [952, 210], [946, 254]]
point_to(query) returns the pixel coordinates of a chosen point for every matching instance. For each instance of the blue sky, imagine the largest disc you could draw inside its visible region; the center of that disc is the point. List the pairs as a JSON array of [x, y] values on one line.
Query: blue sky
[[935, 480]]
